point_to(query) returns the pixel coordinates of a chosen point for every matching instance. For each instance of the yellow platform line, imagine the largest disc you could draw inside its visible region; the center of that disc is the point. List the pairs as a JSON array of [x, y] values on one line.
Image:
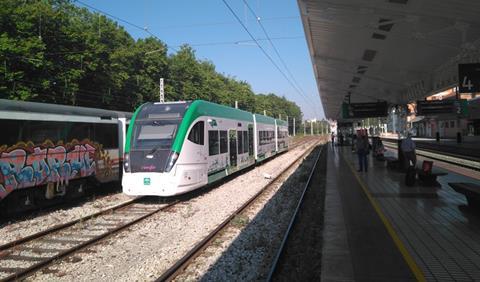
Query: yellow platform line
[[417, 272]]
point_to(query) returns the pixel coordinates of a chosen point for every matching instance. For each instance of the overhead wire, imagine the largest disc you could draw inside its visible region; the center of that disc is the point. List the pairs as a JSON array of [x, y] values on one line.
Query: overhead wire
[[168, 46], [124, 21], [222, 23], [265, 52], [275, 49]]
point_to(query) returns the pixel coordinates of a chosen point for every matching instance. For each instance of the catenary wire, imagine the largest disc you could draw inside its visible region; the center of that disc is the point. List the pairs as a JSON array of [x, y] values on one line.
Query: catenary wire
[[265, 53], [276, 50]]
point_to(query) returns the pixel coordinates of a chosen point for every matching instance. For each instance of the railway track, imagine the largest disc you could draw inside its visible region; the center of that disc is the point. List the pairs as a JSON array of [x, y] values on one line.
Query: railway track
[[22, 257], [293, 220], [470, 163], [177, 268]]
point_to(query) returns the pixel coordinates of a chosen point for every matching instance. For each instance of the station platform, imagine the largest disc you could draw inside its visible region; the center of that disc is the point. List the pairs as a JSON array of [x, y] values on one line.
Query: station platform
[[378, 229]]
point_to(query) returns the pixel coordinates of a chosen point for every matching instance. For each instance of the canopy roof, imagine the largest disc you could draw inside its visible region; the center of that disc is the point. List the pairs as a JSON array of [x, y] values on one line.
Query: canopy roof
[[388, 50]]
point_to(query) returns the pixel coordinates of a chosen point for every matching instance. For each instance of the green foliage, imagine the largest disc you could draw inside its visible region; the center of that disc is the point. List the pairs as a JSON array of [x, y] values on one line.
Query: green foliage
[[53, 51]]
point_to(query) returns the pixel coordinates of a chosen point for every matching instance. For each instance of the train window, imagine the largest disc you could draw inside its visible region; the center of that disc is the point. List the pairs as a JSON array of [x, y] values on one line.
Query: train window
[[80, 131], [261, 140], [240, 142], [154, 135], [38, 132], [213, 142], [223, 141], [11, 132], [250, 140], [106, 134], [245, 141], [196, 134]]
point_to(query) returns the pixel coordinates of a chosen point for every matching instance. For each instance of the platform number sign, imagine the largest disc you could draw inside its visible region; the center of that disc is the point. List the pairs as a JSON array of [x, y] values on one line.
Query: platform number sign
[[469, 78]]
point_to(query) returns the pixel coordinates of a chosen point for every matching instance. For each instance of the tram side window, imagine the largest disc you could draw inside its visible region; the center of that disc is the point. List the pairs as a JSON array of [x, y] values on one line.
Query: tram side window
[[223, 141], [213, 143], [250, 140], [11, 132], [196, 134], [240, 142], [245, 141], [106, 134]]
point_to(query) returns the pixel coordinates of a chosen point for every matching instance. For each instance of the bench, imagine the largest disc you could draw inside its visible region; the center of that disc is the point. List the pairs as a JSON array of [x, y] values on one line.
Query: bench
[[471, 192]]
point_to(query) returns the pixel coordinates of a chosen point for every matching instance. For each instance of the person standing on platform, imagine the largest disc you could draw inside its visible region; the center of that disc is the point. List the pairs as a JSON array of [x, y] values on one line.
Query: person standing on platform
[[408, 149], [333, 139], [362, 151]]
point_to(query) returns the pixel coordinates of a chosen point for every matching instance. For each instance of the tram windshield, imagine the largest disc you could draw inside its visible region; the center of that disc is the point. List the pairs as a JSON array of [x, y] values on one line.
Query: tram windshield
[[155, 135]]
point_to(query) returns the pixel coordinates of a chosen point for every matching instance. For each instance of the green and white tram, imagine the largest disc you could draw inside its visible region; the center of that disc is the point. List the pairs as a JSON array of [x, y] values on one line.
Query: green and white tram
[[173, 148]]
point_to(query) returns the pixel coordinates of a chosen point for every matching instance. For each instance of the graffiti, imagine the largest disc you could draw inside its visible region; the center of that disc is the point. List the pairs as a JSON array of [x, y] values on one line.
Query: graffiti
[[25, 165]]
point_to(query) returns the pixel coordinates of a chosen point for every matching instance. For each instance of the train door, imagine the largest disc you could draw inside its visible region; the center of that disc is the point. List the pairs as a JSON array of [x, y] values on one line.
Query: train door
[[232, 134]]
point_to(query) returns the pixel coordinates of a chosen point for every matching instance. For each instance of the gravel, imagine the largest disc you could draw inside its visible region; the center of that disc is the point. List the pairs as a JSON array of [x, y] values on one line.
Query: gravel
[[15, 230], [146, 250], [245, 251]]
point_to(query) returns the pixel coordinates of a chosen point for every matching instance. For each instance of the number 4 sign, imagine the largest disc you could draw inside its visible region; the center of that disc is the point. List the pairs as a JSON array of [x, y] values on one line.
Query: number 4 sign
[[469, 78]]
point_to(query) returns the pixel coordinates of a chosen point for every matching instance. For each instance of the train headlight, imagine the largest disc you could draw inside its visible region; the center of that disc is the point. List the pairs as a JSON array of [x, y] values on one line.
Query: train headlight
[[126, 162], [171, 161]]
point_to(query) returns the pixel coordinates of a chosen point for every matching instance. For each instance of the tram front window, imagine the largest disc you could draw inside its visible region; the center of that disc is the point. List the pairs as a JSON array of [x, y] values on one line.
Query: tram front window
[[154, 135]]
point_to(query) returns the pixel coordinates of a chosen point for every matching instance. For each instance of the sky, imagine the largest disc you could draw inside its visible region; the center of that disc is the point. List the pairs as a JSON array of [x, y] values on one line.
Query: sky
[[217, 36]]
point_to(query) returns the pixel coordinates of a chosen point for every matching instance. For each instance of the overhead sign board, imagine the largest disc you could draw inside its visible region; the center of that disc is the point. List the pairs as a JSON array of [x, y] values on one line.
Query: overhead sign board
[[344, 124], [437, 107], [469, 78], [364, 110]]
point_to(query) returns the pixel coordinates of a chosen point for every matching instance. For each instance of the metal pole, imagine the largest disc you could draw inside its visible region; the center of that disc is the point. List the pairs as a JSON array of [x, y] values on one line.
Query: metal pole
[[162, 97], [264, 112], [304, 128], [293, 126], [311, 127], [236, 104]]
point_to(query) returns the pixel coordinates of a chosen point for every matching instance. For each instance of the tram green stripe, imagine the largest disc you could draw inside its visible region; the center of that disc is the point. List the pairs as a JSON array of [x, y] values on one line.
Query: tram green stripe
[[203, 108]]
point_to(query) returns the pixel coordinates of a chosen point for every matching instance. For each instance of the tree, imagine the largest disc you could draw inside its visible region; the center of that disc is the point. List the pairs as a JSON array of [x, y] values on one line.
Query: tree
[[53, 51]]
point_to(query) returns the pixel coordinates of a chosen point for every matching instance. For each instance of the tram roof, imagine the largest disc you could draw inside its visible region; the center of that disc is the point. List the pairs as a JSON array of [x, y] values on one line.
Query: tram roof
[[281, 122], [264, 119], [388, 50]]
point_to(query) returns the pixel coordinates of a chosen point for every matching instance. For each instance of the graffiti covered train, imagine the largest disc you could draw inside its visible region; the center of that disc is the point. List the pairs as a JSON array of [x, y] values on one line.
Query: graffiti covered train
[[52, 152]]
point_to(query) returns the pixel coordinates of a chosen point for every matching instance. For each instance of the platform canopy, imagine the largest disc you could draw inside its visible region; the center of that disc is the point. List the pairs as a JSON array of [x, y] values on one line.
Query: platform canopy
[[388, 50]]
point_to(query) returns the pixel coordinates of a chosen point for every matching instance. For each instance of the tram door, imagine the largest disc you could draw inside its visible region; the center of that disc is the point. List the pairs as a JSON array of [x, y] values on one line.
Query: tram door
[[232, 134]]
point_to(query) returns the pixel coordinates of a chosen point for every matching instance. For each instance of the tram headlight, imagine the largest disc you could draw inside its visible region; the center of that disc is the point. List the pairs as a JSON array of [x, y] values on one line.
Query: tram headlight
[[126, 162], [171, 161]]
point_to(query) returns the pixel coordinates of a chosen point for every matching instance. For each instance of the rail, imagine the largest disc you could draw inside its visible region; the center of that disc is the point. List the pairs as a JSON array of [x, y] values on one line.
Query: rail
[[183, 263]]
